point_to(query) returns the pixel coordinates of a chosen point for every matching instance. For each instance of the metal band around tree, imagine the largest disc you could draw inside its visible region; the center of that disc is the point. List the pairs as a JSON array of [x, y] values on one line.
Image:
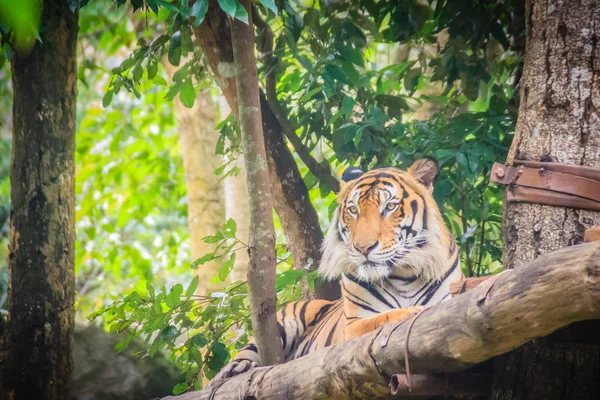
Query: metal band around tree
[[555, 184]]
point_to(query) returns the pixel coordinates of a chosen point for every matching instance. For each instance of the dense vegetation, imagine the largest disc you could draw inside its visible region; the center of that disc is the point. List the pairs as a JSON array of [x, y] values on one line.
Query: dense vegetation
[[362, 83]]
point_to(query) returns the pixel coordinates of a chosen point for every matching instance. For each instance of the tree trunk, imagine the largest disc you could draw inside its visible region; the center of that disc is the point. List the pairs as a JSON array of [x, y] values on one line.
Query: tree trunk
[[38, 360], [558, 121], [290, 195], [261, 241], [551, 292], [206, 211]]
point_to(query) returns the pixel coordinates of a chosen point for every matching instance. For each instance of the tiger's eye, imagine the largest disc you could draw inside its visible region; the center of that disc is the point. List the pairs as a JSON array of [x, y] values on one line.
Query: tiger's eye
[[391, 206], [353, 209]]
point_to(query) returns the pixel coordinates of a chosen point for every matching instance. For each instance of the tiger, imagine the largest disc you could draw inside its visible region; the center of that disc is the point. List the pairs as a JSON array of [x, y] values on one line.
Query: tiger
[[395, 256]]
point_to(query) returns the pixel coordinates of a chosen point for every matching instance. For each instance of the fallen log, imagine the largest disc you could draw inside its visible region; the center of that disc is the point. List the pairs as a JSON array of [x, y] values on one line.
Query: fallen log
[[499, 315]]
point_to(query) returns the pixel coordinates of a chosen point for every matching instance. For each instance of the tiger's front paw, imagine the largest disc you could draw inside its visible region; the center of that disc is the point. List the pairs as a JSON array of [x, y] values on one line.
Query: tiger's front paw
[[400, 314], [232, 369]]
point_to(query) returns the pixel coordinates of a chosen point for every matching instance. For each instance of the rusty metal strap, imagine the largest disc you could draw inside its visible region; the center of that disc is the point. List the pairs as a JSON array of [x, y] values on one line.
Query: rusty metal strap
[[550, 183]]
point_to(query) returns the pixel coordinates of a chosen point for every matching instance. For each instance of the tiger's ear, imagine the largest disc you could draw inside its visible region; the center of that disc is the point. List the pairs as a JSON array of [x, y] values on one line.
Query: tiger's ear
[[425, 171], [350, 174]]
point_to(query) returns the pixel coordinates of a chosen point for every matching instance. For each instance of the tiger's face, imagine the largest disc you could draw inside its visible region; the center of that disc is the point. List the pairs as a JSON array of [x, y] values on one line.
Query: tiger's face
[[386, 222]]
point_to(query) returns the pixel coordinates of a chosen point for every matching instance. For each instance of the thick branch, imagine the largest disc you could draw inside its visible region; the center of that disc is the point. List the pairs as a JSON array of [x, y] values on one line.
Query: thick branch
[[494, 318]]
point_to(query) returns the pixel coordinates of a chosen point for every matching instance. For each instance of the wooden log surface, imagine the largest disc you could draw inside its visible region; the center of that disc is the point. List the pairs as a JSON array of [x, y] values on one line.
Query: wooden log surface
[[499, 315]]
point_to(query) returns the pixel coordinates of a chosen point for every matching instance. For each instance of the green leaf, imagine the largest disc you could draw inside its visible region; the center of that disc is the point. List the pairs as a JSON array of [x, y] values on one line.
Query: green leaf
[[152, 68], [191, 289], [96, 314], [153, 6], [337, 73], [200, 340], [186, 41], [174, 54], [337, 116], [187, 94], [230, 228], [310, 94], [199, 10], [287, 278], [220, 170], [347, 105], [169, 332], [107, 99], [213, 239], [351, 72], [270, 4], [218, 356], [229, 6], [167, 5], [150, 289], [226, 268], [137, 72], [358, 137], [351, 132], [310, 180], [197, 356], [122, 344], [128, 63], [203, 260], [241, 13], [173, 299], [180, 388], [332, 207]]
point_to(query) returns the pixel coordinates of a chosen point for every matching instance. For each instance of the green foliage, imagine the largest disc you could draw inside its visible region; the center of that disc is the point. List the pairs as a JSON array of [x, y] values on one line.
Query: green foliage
[[131, 215], [200, 333], [176, 43]]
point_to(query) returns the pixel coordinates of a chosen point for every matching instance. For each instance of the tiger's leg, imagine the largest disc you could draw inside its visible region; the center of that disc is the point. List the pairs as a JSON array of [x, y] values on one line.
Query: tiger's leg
[[359, 326], [293, 320]]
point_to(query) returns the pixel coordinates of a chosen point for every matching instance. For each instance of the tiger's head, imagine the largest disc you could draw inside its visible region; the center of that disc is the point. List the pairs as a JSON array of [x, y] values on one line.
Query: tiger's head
[[387, 221]]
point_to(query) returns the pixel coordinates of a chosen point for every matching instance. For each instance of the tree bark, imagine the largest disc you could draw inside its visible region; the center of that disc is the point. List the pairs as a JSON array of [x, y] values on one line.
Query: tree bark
[[290, 195], [558, 121], [261, 241], [38, 361], [205, 192], [497, 316]]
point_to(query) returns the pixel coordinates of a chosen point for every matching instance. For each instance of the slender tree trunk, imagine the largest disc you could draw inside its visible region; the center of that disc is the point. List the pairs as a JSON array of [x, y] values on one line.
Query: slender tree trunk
[[261, 242], [558, 121], [38, 360], [290, 195], [206, 211]]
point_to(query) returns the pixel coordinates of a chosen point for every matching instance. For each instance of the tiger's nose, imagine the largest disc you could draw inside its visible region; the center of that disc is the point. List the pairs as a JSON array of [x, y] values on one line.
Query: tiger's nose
[[365, 249]]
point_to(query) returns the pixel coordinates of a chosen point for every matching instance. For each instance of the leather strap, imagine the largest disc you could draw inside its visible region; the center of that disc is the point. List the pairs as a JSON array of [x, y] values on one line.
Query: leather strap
[[553, 184]]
